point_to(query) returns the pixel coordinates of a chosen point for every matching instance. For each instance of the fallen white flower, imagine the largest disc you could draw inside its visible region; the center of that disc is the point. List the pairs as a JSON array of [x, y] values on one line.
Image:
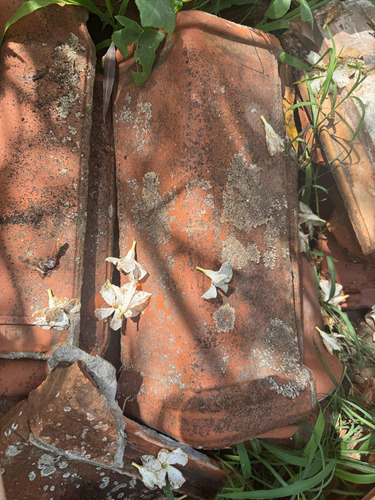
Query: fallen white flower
[[341, 75], [125, 302], [219, 279], [154, 471], [129, 265], [307, 216], [275, 143], [312, 58], [58, 314], [329, 341], [325, 287], [303, 241]]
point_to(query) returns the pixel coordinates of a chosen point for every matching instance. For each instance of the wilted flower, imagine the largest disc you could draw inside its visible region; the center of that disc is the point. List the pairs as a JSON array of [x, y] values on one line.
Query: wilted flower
[[218, 279], [329, 341], [325, 287], [125, 302], [154, 471], [313, 58], [303, 241], [58, 314], [129, 265], [275, 144], [307, 218]]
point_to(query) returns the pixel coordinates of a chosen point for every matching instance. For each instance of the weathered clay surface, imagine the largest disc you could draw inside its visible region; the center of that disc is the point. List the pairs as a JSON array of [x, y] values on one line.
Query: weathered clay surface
[[49, 450], [196, 187], [71, 394], [94, 335], [30, 373], [45, 113]]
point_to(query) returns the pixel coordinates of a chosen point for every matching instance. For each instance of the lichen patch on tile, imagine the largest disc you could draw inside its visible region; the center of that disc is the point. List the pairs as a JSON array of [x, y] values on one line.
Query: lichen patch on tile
[[224, 318], [237, 254]]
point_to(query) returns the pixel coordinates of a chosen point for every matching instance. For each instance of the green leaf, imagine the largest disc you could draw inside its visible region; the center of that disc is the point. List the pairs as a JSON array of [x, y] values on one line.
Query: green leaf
[[332, 275], [109, 6], [128, 35], [144, 54], [226, 4], [129, 24], [244, 460], [277, 9], [123, 7], [293, 61], [306, 14], [158, 14], [295, 488], [103, 44]]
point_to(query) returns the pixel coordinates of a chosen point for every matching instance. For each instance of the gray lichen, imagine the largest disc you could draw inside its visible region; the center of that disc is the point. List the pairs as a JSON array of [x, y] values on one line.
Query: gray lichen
[[237, 254], [151, 212], [224, 318]]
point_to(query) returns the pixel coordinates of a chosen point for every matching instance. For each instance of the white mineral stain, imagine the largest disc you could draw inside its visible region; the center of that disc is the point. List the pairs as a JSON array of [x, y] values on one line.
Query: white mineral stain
[[32, 476], [46, 465], [12, 451]]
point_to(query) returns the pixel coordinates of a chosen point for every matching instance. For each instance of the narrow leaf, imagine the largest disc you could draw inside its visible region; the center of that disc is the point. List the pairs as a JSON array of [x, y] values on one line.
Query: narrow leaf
[[109, 77], [123, 7], [244, 459], [278, 8], [157, 14], [125, 37], [306, 14], [145, 55], [295, 488], [293, 61], [332, 275], [103, 44]]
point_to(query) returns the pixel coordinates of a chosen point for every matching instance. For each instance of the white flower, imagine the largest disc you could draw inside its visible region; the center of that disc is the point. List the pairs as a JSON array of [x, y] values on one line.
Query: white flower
[[129, 265], [329, 341], [303, 241], [125, 302], [218, 279], [325, 287], [58, 314], [275, 144], [312, 58], [155, 470], [307, 216]]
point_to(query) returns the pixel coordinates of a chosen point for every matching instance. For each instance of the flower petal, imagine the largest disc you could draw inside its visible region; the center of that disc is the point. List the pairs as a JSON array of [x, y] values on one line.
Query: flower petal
[[226, 270], [150, 479], [103, 312], [275, 144], [109, 292], [325, 287], [211, 293], [116, 322], [151, 463], [138, 304], [175, 477], [176, 456], [330, 342], [58, 319]]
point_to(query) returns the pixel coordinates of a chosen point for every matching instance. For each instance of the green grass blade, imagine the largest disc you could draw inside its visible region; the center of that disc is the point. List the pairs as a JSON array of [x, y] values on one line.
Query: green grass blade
[[297, 487], [244, 460]]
